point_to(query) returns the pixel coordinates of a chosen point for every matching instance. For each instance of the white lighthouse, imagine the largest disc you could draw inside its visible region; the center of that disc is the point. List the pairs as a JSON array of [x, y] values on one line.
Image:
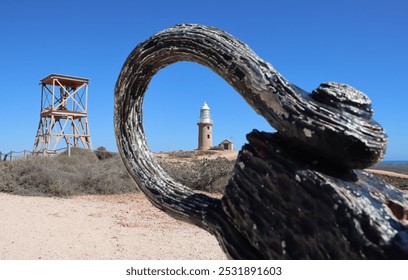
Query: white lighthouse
[[204, 128]]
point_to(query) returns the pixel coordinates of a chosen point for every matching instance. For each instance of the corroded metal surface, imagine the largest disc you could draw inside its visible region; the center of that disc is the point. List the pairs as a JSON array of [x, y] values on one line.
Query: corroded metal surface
[[294, 194]]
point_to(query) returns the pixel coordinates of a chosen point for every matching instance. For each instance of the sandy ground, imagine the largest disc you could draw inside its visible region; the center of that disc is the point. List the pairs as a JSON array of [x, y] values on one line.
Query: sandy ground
[[115, 227], [388, 173], [97, 227]]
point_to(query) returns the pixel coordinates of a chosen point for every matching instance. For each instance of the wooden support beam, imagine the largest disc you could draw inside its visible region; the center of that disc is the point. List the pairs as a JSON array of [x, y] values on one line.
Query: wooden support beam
[[59, 114]]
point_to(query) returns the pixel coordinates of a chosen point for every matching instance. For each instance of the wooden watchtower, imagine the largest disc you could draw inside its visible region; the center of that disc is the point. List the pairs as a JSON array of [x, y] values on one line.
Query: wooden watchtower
[[64, 114]]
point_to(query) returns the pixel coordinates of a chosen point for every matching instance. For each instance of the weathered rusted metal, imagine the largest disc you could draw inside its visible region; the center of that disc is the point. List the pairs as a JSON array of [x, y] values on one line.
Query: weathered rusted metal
[[294, 194]]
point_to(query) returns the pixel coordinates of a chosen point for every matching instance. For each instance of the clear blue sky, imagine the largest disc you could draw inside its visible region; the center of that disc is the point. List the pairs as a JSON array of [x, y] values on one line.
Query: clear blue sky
[[360, 43]]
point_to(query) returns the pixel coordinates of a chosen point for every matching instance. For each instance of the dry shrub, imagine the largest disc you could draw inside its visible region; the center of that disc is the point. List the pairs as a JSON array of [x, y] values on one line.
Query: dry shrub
[[87, 173], [6, 180], [82, 173], [204, 175], [102, 153], [190, 154], [182, 154]]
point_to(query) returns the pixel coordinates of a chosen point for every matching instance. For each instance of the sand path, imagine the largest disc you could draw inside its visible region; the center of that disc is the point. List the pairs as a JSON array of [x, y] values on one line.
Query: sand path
[[100, 227], [388, 173], [97, 227]]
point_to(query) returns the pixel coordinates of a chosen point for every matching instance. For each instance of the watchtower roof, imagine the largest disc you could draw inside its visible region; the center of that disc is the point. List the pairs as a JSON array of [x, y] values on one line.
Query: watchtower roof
[[65, 80]]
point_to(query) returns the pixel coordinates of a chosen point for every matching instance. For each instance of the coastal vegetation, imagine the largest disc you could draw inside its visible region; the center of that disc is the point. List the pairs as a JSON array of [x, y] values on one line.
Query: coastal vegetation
[[102, 172]]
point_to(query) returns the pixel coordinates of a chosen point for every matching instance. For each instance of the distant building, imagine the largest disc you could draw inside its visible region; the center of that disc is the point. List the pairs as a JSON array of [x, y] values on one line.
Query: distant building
[[205, 128], [226, 145]]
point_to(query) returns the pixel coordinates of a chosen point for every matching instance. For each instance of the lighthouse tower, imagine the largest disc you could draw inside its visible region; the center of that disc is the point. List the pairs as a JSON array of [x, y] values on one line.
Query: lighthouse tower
[[204, 129]]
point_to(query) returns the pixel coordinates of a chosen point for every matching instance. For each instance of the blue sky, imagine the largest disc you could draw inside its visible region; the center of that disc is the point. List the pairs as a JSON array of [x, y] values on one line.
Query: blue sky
[[360, 43]]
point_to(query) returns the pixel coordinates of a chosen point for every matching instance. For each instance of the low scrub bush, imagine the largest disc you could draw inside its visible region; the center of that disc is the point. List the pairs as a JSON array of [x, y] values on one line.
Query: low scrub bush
[[82, 173], [102, 153], [86, 172], [204, 174]]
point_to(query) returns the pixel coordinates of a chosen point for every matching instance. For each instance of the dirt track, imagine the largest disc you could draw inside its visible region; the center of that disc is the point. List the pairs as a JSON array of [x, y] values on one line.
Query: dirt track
[[97, 227]]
